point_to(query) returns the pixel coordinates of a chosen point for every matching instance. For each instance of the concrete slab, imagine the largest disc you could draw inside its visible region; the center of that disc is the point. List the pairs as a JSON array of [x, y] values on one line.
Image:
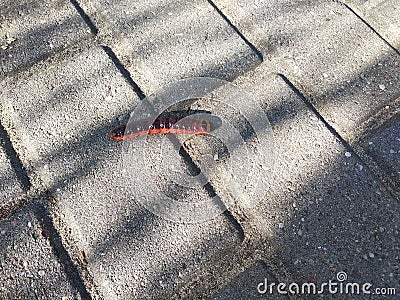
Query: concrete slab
[[162, 41], [10, 186], [29, 265], [382, 150], [54, 111], [322, 202], [32, 30], [382, 15], [332, 216], [128, 251], [253, 283], [346, 70]]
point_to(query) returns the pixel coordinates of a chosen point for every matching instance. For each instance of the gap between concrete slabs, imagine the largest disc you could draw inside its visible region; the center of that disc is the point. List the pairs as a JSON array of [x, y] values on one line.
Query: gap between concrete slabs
[[382, 16], [10, 184], [128, 251], [380, 149], [335, 59], [15, 184], [323, 206], [33, 262], [160, 283], [160, 42]]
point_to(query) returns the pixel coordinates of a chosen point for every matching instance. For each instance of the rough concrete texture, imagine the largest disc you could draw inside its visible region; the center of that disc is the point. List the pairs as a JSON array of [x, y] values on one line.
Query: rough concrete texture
[[31, 30], [323, 210], [382, 151], [244, 286], [327, 210], [10, 186], [382, 15], [54, 113], [30, 266], [160, 42], [322, 204], [128, 251], [342, 65]]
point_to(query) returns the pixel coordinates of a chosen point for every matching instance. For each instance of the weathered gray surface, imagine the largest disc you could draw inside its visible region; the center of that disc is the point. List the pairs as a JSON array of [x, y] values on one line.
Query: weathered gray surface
[[324, 209], [322, 204], [160, 42], [29, 265], [32, 30], [382, 152], [129, 251], [385, 145], [343, 66], [327, 210], [10, 186], [247, 285], [382, 15]]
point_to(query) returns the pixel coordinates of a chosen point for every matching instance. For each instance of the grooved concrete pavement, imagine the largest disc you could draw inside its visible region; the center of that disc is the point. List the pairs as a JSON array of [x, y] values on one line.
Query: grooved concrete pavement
[[160, 42], [72, 71], [320, 199], [29, 265], [381, 150], [382, 15], [68, 148], [10, 186], [337, 60]]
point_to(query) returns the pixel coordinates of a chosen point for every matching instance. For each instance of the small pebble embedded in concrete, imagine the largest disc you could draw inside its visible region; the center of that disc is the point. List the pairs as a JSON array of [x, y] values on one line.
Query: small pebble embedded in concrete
[[347, 154]]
